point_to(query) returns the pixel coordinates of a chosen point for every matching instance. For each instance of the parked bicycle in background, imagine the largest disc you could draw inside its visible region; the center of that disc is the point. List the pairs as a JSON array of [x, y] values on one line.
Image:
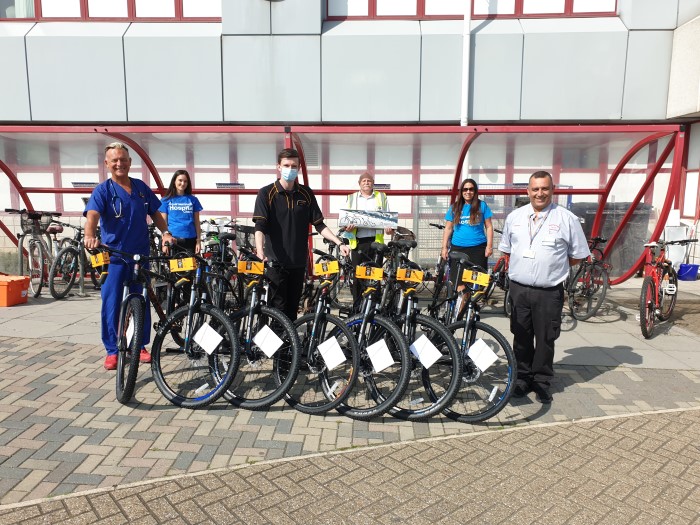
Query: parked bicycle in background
[[589, 283], [660, 285]]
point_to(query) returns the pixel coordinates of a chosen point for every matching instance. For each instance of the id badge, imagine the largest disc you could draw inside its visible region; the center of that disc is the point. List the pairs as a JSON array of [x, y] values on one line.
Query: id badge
[[529, 254]]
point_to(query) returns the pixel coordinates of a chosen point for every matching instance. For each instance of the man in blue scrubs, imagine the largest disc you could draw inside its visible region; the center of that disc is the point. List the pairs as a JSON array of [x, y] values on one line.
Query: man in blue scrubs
[[121, 205]]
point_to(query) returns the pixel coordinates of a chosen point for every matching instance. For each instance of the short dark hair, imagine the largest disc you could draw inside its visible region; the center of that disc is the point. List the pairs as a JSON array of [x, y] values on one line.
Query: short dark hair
[[287, 153], [541, 175]]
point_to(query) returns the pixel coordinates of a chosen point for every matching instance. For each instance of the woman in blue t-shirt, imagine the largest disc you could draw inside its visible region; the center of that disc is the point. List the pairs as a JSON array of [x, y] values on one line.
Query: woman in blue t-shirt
[[181, 211], [472, 232]]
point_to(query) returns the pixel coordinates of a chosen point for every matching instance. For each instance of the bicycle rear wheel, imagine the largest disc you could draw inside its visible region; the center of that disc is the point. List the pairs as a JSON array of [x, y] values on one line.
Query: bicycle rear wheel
[[35, 268], [197, 376], [129, 348], [667, 293], [378, 391], [430, 388], [63, 273], [317, 388], [646, 307], [261, 380], [497, 275], [485, 389], [587, 291]]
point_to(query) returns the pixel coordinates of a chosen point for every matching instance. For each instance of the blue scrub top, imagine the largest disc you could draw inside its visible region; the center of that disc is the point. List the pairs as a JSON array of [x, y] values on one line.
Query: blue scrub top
[[129, 232]]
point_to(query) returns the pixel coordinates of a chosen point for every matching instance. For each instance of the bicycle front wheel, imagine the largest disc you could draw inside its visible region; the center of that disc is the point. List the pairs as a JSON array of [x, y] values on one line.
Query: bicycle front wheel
[[35, 269], [263, 380], [667, 293], [647, 305], [485, 388], [63, 273], [379, 389], [587, 291], [326, 376], [129, 348], [195, 375], [431, 386]]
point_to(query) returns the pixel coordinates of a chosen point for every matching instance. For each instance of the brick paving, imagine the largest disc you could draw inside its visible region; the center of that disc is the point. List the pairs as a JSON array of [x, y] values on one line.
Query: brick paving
[[617, 444]]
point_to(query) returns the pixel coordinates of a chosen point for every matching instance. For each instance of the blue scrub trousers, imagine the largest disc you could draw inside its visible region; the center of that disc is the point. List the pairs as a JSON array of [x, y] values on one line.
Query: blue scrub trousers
[[111, 292]]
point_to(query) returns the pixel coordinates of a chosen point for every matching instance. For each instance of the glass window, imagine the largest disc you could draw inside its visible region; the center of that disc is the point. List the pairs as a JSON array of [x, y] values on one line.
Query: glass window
[[396, 8], [444, 7], [486, 7], [155, 8], [342, 8], [594, 6], [108, 9], [60, 8], [531, 7], [16, 8], [201, 8]]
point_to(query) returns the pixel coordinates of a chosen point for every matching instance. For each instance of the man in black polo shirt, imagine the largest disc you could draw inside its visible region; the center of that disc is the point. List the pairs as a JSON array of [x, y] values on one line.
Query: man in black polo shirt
[[283, 212]]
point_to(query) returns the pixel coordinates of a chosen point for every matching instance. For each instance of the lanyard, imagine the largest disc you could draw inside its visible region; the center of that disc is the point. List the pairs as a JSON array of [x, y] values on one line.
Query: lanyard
[[539, 226]]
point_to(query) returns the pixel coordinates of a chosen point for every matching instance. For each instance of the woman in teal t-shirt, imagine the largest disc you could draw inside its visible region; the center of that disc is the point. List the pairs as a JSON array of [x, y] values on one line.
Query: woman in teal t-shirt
[[181, 211], [472, 232]]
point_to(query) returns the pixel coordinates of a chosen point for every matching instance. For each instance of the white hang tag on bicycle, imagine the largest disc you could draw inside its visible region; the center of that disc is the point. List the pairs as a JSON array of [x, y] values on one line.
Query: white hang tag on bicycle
[[267, 341], [482, 355], [207, 338], [425, 351], [332, 353], [380, 356]]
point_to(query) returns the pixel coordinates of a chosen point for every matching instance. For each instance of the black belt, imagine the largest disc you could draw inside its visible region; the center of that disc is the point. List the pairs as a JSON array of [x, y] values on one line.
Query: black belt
[[559, 286]]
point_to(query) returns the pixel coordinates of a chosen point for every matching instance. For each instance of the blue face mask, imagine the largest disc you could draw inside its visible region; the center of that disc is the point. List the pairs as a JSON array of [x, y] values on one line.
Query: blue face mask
[[289, 174]]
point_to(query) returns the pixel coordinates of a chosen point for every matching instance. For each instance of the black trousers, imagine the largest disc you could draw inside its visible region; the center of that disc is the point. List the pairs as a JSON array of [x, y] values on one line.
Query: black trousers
[[362, 253], [286, 286], [476, 255], [535, 324]]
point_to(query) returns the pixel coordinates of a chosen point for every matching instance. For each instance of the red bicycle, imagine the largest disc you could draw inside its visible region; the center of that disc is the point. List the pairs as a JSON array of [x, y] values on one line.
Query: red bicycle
[[660, 286]]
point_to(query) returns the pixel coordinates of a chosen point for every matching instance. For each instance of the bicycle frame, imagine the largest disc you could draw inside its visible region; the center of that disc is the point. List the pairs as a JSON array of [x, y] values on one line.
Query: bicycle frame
[[654, 266]]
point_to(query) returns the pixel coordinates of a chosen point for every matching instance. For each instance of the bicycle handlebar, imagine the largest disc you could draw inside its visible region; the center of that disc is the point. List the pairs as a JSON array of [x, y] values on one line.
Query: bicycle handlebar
[[438, 226]]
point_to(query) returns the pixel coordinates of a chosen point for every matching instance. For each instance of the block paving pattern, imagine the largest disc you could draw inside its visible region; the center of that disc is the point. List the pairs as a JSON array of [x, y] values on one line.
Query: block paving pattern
[[62, 431], [641, 468]]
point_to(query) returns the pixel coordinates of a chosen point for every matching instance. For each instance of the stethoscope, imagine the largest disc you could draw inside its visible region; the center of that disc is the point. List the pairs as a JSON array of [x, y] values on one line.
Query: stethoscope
[[116, 200]]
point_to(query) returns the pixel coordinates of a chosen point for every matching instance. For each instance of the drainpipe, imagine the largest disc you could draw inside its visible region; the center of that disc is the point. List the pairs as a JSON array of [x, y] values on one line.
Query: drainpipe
[[466, 52]]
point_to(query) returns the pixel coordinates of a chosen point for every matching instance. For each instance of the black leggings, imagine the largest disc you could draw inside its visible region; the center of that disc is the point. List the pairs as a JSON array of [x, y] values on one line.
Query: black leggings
[[476, 255]]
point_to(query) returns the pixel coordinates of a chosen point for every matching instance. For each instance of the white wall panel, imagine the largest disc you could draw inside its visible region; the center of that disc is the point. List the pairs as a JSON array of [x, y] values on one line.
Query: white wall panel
[[371, 71], [573, 69], [272, 79], [14, 102], [496, 70], [76, 71], [296, 17], [647, 74], [173, 72], [687, 10], [245, 17], [441, 70], [648, 14], [684, 79]]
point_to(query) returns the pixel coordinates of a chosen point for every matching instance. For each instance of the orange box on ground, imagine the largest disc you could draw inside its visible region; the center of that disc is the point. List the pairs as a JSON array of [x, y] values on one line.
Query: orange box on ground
[[13, 290]]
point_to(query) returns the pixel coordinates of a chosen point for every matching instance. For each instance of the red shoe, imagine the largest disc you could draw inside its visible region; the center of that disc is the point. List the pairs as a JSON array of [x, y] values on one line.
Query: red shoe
[[144, 357], [111, 362]]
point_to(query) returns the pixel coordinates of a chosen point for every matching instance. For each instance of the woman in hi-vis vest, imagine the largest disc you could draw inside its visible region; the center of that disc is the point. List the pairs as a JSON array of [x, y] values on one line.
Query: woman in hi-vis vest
[[362, 238]]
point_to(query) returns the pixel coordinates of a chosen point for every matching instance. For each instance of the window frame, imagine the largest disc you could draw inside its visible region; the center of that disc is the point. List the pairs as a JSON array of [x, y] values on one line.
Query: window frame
[[131, 15]]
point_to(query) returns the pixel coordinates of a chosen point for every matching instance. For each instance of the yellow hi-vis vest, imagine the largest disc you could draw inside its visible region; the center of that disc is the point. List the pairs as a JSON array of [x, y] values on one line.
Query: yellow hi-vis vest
[[381, 205]]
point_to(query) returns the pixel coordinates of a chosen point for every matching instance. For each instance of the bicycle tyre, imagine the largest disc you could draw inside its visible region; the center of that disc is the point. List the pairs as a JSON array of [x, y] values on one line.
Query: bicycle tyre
[[430, 389], [318, 389], [197, 379], [378, 392], [63, 273], [667, 301], [483, 393], [507, 304], [129, 351], [261, 380], [647, 307], [35, 269], [587, 291]]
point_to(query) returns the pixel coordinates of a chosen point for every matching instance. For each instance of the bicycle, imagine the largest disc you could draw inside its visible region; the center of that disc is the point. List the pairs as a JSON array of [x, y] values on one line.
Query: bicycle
[[435, 361], [195, 354], [589, 283], [500, 279], [70, 262], [330, 357], [490, 369], [660, 285], [384, 355], [270, 348], [38, 225]]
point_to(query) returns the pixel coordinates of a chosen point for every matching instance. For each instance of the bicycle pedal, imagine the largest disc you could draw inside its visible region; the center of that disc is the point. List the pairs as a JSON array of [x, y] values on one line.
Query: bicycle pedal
[[670, 289]]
